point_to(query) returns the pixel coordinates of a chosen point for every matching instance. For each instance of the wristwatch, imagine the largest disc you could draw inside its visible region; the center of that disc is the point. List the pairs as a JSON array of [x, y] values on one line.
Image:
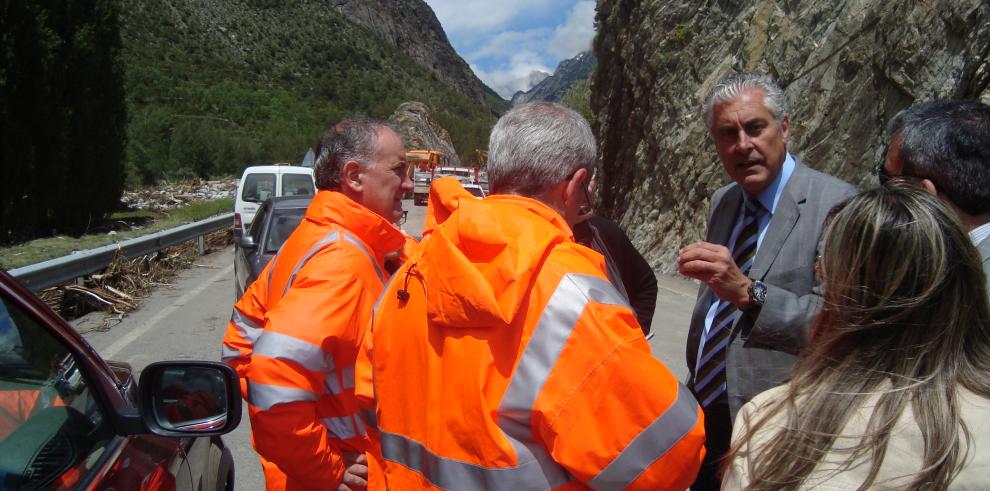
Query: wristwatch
[[757, 295]]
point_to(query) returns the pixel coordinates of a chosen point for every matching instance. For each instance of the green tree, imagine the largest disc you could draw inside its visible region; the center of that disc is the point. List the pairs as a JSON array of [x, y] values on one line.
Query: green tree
[[578, 98], [259, 91], [193, 148], [149, 136], [62, 115]]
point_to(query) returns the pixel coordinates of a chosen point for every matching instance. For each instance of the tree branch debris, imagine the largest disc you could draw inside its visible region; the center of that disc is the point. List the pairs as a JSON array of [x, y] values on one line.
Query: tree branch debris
[[125, 283]]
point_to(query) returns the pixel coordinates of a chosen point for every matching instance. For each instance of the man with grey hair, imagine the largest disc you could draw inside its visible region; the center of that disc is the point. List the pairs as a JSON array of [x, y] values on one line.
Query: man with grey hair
[[945, 147], [294, 335], [538, 373], [756, 265]]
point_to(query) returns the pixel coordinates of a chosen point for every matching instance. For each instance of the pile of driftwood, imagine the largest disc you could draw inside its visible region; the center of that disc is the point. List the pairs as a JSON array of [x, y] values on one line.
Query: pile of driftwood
[[122, 286], [167, 196]]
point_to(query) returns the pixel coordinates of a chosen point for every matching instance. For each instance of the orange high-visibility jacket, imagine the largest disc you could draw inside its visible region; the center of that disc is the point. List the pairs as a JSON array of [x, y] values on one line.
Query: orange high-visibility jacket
[[445, 193], [501, 358], [294, 337]]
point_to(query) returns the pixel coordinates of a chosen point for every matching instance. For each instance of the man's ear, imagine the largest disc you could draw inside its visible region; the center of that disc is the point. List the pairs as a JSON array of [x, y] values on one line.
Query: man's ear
[[351, 176], [929, 187], [785, 125], [575, 194]]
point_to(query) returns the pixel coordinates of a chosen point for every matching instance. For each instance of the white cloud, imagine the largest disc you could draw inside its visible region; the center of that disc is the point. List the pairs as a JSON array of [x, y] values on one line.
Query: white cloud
[[520, 73], [575, 35], [536, 77], [504, 42], [483, 16], [511, 44]]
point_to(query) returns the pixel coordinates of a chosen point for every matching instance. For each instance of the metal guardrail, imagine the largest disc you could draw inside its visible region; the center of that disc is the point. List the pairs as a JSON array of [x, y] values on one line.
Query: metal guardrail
[[67, 268]]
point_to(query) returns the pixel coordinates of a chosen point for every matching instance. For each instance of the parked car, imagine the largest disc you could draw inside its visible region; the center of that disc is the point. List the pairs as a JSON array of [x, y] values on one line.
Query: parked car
[[275, 221], [260, 182], [71, 420]]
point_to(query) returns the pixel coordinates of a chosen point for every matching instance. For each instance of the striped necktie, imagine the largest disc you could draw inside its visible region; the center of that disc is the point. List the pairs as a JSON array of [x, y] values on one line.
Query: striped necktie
[[709, 379]]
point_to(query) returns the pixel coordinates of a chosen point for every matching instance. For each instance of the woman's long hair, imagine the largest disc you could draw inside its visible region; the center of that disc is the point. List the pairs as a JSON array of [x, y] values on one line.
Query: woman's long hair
[[905, 320]]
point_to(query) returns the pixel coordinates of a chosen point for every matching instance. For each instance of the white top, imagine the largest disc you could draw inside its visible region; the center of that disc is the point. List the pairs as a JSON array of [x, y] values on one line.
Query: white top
[[904, 451], [979, 234]]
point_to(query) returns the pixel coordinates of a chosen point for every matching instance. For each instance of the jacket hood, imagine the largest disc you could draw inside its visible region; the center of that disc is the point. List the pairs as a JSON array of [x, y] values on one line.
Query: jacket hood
[[481, 260], [446, 194]]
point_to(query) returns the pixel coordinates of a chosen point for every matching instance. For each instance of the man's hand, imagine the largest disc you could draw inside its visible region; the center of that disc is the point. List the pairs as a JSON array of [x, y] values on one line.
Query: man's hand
[[356, 473], [713, 264]]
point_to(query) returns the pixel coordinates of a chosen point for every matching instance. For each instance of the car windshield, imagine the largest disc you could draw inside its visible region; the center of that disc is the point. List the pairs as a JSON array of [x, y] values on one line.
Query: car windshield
[[258, 187], [283, 223], [297, 185], [51, 428]]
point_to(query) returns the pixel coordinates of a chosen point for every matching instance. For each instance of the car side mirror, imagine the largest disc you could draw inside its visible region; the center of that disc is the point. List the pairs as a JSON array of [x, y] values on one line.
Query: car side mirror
[[247, 242], [190, 398]]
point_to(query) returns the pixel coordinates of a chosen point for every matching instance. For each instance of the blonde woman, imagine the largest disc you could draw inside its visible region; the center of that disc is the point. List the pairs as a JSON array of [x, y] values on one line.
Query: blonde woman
[[894, 389]]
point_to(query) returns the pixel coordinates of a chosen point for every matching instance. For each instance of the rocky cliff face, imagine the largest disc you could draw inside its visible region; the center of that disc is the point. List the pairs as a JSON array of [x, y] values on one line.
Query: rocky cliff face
[[847, 68], [420, 132], [413, 28], [552, 88], [535, 77]]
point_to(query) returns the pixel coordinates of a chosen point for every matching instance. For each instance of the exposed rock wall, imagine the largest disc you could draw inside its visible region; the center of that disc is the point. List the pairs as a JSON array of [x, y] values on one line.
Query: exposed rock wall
[[413, 28], [847, 67], [420, 132]]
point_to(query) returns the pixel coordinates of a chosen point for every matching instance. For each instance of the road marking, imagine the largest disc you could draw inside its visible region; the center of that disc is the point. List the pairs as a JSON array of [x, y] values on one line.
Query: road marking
[[139, 331]]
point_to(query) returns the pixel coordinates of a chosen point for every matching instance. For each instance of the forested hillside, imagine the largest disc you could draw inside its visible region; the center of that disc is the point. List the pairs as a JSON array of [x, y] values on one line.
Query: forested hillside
[[411, 27], [213, 85]]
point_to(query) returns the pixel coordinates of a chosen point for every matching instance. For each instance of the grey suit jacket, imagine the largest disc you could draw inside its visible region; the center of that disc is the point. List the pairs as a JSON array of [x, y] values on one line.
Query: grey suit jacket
[[763, 351]]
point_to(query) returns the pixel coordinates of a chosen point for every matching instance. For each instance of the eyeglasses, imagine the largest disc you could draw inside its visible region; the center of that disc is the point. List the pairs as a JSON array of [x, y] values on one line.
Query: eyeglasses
[[585, 208], [884, 177], [881, 172]]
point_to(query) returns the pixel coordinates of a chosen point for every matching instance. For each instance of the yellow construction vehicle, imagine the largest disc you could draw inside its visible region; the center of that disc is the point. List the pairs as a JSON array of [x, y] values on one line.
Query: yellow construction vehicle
[[423, 165]]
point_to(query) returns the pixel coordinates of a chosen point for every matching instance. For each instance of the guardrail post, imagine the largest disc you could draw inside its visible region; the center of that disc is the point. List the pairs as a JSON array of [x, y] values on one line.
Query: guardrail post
[[201, 244]]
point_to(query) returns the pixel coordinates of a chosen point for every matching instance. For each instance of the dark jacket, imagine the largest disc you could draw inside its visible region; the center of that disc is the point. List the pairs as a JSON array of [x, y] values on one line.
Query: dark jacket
[[625, 266]]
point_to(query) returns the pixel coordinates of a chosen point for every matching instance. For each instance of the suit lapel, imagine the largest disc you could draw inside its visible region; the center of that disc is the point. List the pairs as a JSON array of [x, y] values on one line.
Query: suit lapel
[[782, 223], [724, 218]]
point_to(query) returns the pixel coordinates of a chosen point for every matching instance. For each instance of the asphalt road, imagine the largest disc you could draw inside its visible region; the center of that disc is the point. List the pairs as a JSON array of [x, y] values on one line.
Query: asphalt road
[[187, 321]]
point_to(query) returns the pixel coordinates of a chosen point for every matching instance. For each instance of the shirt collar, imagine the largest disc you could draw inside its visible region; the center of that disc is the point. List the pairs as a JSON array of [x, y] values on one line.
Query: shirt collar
[[373, 229], [770, 196], [979, 234]]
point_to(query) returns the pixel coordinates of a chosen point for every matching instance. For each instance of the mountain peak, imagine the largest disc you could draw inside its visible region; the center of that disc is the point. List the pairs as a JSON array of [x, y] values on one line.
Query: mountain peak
[[412, 27], [553, 86]]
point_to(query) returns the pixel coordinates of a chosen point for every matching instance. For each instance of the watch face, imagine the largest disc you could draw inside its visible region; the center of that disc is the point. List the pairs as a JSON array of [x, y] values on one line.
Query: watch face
[[758, 292]]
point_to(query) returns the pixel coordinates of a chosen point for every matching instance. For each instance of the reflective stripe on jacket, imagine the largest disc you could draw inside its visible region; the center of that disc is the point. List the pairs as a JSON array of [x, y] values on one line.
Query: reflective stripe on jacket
[[295, 333], [508, 361]]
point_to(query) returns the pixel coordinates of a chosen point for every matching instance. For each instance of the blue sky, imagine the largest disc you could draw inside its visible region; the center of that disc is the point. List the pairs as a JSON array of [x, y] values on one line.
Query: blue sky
[[505, 41]]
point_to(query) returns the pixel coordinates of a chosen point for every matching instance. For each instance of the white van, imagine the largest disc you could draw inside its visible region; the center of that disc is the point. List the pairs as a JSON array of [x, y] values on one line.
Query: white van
[[260, 182]]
